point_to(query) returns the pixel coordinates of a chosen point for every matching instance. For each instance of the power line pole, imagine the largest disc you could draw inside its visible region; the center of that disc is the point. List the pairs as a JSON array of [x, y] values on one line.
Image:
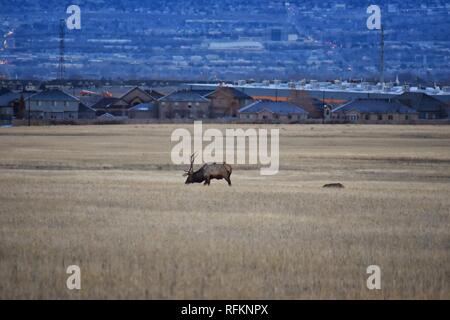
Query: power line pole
[[382, 56], [29, 112]]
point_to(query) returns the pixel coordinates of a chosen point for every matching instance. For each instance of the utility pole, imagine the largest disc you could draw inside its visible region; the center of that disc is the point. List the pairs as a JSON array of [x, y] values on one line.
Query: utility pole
[[382, 56], [29, 112]]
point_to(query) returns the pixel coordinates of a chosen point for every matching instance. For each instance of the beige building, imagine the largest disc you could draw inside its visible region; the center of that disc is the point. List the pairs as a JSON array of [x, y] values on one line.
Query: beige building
[[52, 105], [183, 104], [373, 111], [226, 102]]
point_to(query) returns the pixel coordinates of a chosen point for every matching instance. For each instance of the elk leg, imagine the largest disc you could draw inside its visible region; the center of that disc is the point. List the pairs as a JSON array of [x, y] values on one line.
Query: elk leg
[[229, 181]]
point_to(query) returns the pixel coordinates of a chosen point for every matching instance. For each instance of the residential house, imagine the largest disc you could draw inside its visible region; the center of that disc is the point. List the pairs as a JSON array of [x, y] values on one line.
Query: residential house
[[374, 111], [183, 104], [226, 101], [53, 105], [133, 97], [274, 112]]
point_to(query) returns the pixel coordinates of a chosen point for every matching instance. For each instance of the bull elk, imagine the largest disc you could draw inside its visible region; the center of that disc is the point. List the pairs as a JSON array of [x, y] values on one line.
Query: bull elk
[[208, 172], [334, 185]]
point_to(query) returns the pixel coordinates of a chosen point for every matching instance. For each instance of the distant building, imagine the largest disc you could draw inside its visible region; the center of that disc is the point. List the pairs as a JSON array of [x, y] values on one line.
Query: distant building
[[374, 111], [269, 111], [183, 104], [427, 106], [53, 105], [226, 102], [236, 46]]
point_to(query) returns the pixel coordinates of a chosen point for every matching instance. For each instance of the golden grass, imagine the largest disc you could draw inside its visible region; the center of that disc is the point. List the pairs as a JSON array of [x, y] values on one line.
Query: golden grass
[[107, 199]]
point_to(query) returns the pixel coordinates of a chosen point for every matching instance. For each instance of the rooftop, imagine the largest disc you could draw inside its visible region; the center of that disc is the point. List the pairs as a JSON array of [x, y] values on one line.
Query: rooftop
[[183, 96], [52, 95], [420, 101], [285, 108], [375, 106], [236, 93]]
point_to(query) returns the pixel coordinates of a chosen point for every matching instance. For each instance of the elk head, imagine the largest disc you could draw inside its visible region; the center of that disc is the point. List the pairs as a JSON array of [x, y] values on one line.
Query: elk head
[[189, 173]]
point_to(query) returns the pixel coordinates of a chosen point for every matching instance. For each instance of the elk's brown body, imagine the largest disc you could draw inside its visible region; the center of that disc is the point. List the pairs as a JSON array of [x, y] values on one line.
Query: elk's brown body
[[334, 185], [207, 172]]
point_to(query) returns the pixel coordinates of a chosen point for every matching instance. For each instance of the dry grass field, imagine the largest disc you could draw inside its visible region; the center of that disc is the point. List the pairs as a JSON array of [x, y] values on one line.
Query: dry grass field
[[107, 198]]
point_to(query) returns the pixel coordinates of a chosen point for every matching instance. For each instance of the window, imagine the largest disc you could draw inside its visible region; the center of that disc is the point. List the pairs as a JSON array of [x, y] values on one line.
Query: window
[[367, 117], [390, 117], [289, 117], [406, 117], [380, 117]]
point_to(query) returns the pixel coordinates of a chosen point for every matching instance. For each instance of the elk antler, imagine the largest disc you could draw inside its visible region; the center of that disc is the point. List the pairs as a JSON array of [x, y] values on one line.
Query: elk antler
[[193, 156]]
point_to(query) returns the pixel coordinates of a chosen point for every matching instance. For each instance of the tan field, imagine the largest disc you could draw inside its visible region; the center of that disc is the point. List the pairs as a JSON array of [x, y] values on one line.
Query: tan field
[[106, 198]]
